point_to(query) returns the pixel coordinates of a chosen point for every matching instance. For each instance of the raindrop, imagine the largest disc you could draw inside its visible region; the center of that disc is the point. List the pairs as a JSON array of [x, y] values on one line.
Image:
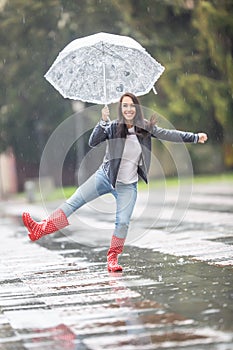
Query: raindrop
[[23, 20], [169, 55]]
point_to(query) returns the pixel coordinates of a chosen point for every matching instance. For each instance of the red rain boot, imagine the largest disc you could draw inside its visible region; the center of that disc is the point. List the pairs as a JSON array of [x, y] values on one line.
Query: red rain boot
[[56, 221], [117, 245]]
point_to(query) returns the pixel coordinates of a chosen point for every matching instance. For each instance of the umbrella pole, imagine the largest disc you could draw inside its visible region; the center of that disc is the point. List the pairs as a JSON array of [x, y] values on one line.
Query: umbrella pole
[[105, 88]]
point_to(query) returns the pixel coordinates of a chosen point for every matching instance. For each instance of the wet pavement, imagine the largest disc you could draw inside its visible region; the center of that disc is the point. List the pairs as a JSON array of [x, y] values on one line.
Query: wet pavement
[[175, 292]]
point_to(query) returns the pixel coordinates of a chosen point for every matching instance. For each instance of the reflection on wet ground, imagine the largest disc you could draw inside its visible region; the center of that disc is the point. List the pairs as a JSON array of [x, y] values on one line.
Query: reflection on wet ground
[[175, 292], [58, 295]]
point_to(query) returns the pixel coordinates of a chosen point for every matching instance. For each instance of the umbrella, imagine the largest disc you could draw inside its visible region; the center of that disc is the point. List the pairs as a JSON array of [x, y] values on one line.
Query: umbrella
[[99, 68]]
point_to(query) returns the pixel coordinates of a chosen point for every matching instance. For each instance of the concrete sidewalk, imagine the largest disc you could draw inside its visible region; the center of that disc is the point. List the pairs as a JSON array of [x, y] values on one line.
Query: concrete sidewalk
[[196, 224]]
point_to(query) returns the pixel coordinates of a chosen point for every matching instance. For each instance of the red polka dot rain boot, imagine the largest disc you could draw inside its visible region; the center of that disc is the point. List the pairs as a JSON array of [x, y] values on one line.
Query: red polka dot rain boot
[[56, 221], [116, 248]]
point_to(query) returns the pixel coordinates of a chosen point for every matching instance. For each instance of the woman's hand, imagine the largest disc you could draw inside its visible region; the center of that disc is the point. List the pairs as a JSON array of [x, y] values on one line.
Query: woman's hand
[[105, 113], [202, 137]]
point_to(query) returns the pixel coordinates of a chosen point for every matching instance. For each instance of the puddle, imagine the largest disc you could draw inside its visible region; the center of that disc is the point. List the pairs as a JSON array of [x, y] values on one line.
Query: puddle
[[57, 294]]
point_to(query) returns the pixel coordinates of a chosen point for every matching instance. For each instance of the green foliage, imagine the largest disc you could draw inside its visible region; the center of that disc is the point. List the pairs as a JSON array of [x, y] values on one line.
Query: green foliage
[[30, 108], [26, 115], [214, 22], [192, 39]]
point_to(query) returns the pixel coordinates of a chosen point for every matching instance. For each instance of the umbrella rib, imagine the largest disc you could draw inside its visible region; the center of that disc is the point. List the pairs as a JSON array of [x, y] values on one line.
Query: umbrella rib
[[114, 54], [103, 52], [123, 59]]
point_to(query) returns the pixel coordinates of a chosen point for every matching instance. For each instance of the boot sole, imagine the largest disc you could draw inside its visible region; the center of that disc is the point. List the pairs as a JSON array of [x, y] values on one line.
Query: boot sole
[[118, 269]]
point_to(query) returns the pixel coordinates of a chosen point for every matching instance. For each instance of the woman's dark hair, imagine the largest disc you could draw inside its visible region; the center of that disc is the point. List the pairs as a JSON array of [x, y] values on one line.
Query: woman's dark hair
[[142, 126]]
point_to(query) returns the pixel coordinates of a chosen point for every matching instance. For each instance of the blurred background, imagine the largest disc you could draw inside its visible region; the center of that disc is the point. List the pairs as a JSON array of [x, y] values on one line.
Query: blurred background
[[193, 39]]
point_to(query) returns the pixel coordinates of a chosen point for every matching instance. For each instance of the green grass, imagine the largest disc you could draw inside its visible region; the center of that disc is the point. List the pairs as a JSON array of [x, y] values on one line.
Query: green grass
[[226, 177], [60, 193], [66, 192], [198, 179]]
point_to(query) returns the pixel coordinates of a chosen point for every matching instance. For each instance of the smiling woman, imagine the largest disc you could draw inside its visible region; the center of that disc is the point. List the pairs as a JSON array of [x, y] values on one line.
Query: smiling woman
[[128, 111], [128, 156]]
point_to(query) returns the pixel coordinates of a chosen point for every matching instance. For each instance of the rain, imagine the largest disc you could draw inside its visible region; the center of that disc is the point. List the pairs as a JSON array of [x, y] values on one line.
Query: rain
[[176, 288]]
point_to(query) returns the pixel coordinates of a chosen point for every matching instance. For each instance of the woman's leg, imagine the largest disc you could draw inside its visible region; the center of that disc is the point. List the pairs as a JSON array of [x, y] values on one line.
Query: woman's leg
[[126, 195], [97, 185], [94, 187]]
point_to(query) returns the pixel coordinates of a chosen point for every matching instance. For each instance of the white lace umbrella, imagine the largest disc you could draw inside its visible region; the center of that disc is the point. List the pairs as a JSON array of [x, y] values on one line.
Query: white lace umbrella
[[99, 68]]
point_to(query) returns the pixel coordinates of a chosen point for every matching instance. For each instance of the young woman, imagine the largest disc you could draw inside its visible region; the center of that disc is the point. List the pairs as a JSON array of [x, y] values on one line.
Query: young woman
[[127, 157]]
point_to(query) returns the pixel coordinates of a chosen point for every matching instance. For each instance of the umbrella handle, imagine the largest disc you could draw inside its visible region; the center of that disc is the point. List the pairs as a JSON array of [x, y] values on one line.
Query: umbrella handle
[[105, 105]]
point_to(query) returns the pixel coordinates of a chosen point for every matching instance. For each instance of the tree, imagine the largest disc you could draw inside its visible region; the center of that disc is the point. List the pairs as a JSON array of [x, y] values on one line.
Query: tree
[[26, 117], [30, 108], [193, 40], [214, 43]]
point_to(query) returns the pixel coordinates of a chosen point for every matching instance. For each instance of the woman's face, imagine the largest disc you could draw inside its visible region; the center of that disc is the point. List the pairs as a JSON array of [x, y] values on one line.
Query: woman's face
[[128, 109]]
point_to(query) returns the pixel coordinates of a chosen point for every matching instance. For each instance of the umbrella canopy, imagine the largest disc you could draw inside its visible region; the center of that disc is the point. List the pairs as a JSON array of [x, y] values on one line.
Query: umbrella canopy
[[99, 68]]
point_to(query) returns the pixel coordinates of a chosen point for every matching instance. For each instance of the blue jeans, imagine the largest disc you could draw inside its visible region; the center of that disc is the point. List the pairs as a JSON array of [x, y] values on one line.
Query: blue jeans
[[97, 185]]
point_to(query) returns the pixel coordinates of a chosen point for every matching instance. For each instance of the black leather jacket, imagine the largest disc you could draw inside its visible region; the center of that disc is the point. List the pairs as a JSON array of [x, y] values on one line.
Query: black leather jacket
[[115, 146]]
